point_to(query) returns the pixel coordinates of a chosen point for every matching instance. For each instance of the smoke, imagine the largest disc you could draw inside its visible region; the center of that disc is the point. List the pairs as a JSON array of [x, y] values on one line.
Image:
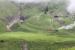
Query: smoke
[[71, 7]]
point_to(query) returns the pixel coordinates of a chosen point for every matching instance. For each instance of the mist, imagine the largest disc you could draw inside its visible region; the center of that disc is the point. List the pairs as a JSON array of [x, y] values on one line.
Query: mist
[[71, 7], [27, 1]]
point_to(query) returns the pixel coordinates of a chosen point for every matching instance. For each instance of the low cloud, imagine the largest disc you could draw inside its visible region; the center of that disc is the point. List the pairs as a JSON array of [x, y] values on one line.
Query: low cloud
[[31, 0], [71, 7]]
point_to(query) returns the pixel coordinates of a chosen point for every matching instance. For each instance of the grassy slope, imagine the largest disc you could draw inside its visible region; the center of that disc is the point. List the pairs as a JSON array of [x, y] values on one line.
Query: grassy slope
[[45, 41], [33, 37], [44, 22], [34, 23], [37, 41]]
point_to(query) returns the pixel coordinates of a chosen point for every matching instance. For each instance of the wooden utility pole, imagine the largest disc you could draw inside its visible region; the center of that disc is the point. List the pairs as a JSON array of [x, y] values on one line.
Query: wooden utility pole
[[24, 45]]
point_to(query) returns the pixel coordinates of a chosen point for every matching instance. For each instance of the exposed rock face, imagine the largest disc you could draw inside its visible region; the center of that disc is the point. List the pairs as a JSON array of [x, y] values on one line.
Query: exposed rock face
[[11, 21]]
